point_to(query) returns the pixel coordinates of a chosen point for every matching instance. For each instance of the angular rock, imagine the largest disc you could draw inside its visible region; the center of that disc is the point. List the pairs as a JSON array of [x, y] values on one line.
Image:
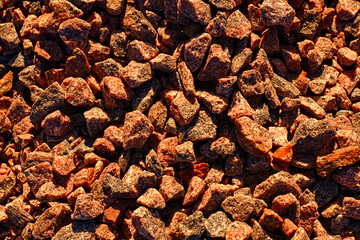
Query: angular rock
[[115, 188], [145, 95], [240, 207], [192, 227], [140, 51], [337, 159], [216, 66], [239, 107], [277, 184], [238, 26], [284, 88], [270, 220], [313, 137], [138, 130], [351, 208], [183, 109], [196, 10], [195, 189], [171, 188], [238, 231], [51, 99], [275, 12], [203, 127], [49, 222], [163, 62], [216, 225], [135, 73], [195, 50], [148, 223], [151, 198], [96, 120], [138, 26], [87, 208], [254, 138], [74, 33]]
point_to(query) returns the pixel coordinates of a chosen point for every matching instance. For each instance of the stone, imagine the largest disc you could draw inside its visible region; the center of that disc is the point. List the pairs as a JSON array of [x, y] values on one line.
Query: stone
[[49, 192], [277, 13], [195, 50], [234, 165], [292, 58], [252, 137], [74, 33], [153, 163], [108, 67], [87, 208], [135, 136], [115, 188], [270, 220], [145, 95], [238, 231], [216, 66], [163, 62], [96, 52], [139, 180], [148, 223], [171, 188], [238, 26], [186, 78], [277, 184], [324, 192], [184, 109], [239, 107], [240, 207], [49, 50], [49, 222], [223, 146], [216, 224], [262, 64], [308, 214], [337, 159], [114, 89], [287, 205], [37, 175], [140, 51], [346, 56], [77, 65], [84, 177], [196, 10], [9, 37], [151, 198], [114, 7], [56, 124], [138, 26], [135, 73], [284, 88], [185, 152], [347, 9], [347, 176], [192, 227], [195, 189], [17, 215], [96, 120], [240, 61], [103, 145], [258, 232], [104, 232], [288, 228], [214, 196], [166, 151], [300, 234], [313, 137], [351, 208], [250, 83], [6, 83], [51, 99], [72, 232]]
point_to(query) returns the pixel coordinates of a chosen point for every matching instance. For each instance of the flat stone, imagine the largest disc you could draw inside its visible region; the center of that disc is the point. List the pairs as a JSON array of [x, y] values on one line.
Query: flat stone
[[337, 159], [240, 207], [151, 198]]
